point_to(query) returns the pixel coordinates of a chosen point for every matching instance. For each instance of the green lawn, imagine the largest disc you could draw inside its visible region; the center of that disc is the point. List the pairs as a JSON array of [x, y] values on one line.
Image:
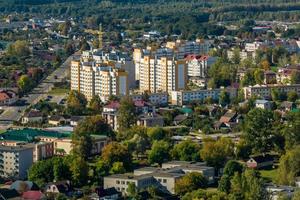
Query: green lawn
[[59, 91], [268, 174]]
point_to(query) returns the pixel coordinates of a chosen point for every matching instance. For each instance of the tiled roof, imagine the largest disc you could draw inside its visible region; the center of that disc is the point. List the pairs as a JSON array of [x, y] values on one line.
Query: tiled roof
[[197, 57], [4, 96], [34, 113], [113, 105], [141, 103], [33, 195]]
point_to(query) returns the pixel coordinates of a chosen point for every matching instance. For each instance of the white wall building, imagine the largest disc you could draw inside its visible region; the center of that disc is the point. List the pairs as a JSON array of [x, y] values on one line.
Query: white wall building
[[187, 96], [198, 66], [264, 91], [172, 50], [15, 161], [92, 79]]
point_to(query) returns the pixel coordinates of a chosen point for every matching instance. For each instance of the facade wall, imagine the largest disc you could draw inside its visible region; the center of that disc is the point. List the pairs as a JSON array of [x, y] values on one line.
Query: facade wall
[[104, 81], [15, 162], [265, 91]]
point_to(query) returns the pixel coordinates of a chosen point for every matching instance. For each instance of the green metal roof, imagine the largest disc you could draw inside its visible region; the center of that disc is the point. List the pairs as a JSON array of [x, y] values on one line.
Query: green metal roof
[[27, 134], [186, 110]]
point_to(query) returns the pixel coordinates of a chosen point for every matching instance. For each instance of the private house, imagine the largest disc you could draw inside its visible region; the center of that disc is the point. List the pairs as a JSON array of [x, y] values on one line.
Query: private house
[[32, 116], [284, 74], [229, 116], [7, 97], [212, 110], [261, 161], [263, 104], [269, 77], [58, 187], [150, 120], [110, 113], [74, 120], [220, 126], [108, 193], [230, 119], [179, 119], [287, 106], [142, 106], [56, 120]]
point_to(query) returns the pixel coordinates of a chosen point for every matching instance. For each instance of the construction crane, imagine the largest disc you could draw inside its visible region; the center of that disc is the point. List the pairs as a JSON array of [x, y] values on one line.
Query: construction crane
[[97, 32]]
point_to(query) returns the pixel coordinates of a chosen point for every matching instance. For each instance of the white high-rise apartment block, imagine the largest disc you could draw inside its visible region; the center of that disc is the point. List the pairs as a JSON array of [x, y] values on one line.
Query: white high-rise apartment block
[[93, 79], [198, 66], [165, 69], [175, 50], [162, 74], [119, 59]]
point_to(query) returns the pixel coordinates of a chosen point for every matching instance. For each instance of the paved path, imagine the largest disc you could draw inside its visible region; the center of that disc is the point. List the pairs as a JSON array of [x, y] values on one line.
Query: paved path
[[14, 113]]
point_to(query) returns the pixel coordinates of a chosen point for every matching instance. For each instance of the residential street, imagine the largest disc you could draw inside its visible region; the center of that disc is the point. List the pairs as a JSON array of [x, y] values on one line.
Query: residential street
[[13, 113]]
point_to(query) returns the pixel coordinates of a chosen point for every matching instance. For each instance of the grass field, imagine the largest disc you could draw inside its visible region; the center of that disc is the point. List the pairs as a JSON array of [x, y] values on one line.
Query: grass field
[[269, 174], [59, 91]]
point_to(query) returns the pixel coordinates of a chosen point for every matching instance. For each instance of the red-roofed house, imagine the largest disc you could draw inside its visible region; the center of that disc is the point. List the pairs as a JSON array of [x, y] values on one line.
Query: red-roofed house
[[33, 195], [7, 97], [143, 106]]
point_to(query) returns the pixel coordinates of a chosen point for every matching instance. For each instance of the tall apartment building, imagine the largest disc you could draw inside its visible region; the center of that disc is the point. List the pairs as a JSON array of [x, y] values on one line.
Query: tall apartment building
[[92, 79], [120, 60], [15, 161], [162, 74], [164, 69], [198, 65]]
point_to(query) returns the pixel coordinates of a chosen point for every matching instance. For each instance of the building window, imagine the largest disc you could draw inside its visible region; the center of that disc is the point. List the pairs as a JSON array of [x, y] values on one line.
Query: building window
[[164, 180], [118, 182]]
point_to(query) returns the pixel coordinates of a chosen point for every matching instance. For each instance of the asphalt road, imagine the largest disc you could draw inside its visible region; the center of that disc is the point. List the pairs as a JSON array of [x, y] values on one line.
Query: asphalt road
[[14, 113]]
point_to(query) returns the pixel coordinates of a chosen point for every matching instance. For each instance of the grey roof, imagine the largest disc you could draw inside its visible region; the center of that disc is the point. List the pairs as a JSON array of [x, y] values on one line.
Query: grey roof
[[150, 116], [130, 176], [56, 118], [261, 101], [179, 162], [167, 175], [15, 148], [34, 113], [150, 169]]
